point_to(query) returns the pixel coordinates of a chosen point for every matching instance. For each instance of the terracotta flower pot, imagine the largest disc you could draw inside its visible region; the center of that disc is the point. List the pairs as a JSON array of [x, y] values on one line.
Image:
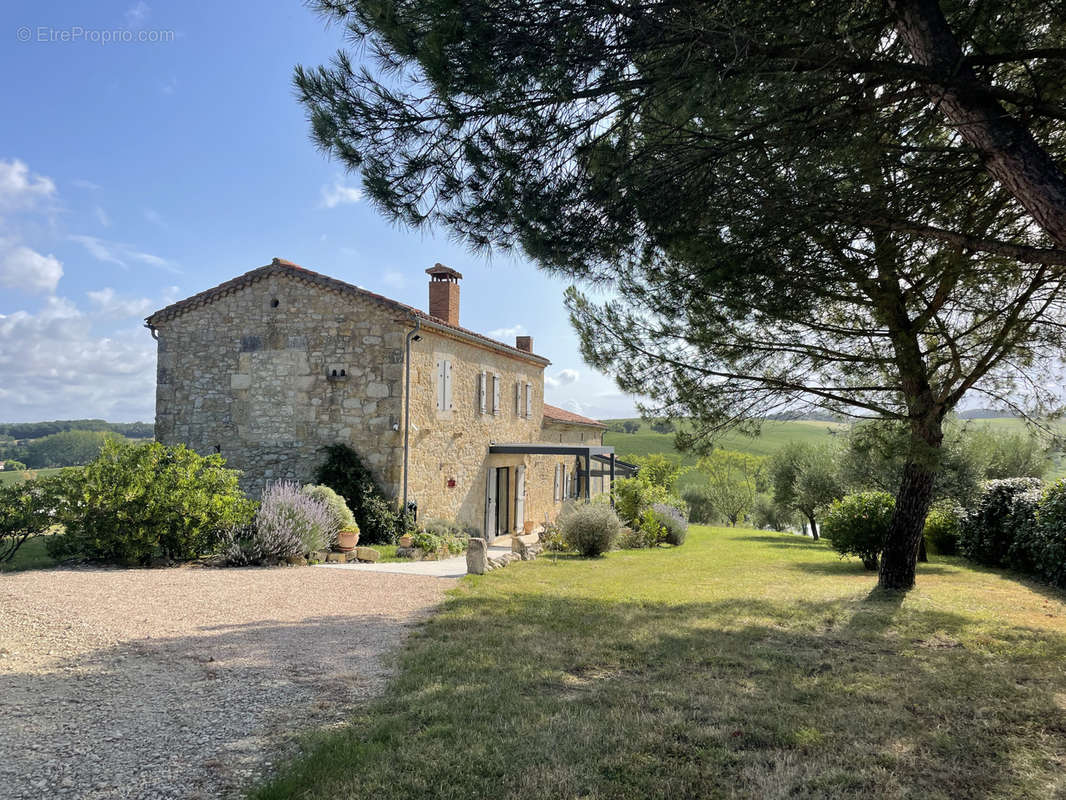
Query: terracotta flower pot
[[347, 539], [406, 541], [528, 526]]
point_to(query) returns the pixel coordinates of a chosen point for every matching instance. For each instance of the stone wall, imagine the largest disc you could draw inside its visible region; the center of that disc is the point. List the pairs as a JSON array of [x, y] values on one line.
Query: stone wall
[[250, 375], [452, 446]]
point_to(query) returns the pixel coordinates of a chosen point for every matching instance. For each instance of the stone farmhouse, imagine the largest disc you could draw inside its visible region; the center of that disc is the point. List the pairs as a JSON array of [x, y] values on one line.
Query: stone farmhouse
[[271, 366]]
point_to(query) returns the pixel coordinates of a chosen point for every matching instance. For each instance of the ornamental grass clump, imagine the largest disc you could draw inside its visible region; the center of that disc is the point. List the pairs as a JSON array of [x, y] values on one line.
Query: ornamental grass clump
[[590, 529], [291, 523]]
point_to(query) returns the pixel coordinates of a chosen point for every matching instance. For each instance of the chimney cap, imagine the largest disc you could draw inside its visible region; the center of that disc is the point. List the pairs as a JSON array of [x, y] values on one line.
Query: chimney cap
[[440, 272]]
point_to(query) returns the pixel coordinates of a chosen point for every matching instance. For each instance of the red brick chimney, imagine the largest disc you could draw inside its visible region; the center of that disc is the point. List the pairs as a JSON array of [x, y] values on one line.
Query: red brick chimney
[[444, 293], [524, 343]]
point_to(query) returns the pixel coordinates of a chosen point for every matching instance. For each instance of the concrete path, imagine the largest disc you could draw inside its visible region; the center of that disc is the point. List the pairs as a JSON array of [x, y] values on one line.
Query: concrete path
[[445, 568]]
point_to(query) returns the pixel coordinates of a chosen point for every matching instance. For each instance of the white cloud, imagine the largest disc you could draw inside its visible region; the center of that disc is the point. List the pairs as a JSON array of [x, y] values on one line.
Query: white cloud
[[508, 333], [102, 217], [23, 268], [563, 377], [55, 365], [81, 183], [19, 189], [121, 254], [170, 86], [339, 194], [106, 303], [137, 15], [575, 406]]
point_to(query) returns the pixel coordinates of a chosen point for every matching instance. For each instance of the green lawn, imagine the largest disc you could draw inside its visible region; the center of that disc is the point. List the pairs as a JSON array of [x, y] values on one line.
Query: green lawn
[[9, 476], [32, 555], [743, 664]]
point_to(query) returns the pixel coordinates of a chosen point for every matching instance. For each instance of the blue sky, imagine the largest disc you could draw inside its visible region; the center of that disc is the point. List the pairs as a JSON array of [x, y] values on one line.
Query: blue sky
[[134, 173]]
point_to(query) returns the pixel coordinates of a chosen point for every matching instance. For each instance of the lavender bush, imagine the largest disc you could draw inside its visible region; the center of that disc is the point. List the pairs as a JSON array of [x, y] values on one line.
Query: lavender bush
[[291, 523]]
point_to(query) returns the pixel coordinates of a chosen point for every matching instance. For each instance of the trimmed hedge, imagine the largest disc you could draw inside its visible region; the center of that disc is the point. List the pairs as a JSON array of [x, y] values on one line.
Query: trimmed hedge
[[991, 526]]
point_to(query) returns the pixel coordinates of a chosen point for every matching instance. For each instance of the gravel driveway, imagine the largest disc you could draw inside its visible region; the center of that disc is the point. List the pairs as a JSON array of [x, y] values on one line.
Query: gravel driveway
[[185, 682]]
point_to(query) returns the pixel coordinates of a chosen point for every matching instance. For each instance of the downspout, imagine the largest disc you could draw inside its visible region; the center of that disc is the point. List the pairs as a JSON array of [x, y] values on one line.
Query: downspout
[[411, 334]]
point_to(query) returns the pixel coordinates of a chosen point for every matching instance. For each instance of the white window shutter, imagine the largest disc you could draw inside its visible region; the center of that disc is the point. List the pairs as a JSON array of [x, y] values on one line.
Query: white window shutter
[[529, 399], [482, 391], [440, 385], [518, 398], [566, 482], [447, 385], [495, 394], [555, 491]]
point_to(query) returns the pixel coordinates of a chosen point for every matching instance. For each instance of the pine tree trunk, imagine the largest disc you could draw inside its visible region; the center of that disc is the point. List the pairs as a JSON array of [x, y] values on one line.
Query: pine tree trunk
[[899, 558]]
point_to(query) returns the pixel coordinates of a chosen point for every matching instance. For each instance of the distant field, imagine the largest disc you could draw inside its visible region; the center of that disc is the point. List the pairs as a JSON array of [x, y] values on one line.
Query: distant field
[[8, 476], [775, 435]]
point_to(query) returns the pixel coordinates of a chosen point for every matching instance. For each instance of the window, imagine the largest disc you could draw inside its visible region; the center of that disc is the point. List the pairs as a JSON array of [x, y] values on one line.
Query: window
[[495, 394], [444, 385], [482, 390], [529, 399], [558, 494]]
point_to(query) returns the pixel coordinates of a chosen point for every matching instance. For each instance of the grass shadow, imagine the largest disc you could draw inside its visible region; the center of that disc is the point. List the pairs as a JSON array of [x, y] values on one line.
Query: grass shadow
[[549, 695], [785, 540]]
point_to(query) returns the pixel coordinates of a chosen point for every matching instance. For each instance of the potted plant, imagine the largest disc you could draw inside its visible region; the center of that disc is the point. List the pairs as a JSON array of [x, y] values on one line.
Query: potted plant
[[406, 540], [347, 538]]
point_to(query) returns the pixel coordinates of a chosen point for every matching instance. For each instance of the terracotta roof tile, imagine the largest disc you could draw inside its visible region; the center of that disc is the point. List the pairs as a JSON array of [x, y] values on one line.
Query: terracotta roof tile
[[280, 266], [556, 414]]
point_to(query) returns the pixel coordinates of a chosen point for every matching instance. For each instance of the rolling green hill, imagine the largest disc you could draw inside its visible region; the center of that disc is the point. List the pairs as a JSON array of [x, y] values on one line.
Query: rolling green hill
[[775, 435]]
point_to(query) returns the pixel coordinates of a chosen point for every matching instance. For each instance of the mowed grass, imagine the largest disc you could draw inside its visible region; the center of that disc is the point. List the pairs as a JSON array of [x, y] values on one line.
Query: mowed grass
[[743, 664], [33, 554], [8, 476]]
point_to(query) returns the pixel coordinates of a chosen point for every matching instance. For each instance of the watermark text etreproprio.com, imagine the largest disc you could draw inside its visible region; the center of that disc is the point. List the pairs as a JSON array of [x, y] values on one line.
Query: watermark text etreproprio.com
[[45, 34]]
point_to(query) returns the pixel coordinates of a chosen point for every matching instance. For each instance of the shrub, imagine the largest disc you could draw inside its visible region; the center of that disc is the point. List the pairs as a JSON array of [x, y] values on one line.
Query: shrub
[[590, 529], [634, 496], [988, 531], [552, 538], [28, 509], [1050, 547], [442, 527], [292, 523], [344, 472], [942, 526], [338, 509], [769, 515], [700, 509], [16, 466], [857, 525], [137, 501], [672, 522]]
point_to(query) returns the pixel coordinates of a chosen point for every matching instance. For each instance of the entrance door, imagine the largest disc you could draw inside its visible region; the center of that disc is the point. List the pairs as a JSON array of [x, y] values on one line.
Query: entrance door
[[503, 501], [490, 506], [519, 498]]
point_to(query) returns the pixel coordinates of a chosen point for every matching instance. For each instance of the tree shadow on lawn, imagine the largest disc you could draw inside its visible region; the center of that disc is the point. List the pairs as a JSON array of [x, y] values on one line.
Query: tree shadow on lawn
[[789, 540], [853, 566], [233, 696], [552, 696]]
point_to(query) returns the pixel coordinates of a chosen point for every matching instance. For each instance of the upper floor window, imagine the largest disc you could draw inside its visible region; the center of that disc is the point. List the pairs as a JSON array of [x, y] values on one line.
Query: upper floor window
[[495, 394], [482, 391], [529, 399], [444, 385]]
